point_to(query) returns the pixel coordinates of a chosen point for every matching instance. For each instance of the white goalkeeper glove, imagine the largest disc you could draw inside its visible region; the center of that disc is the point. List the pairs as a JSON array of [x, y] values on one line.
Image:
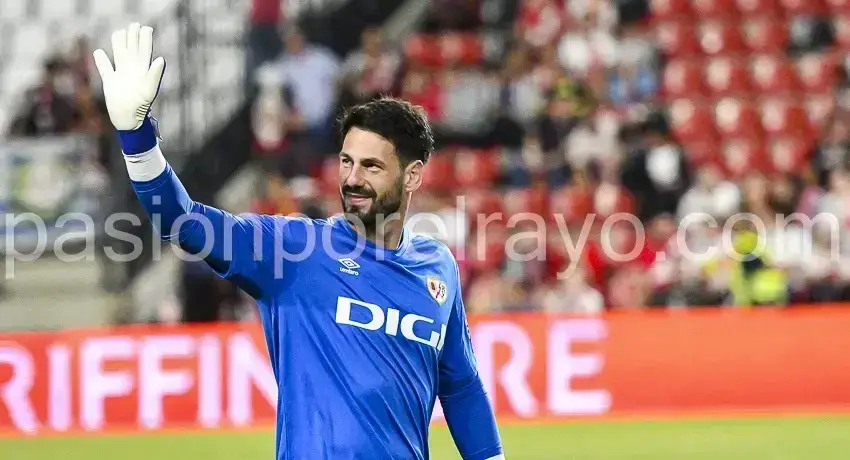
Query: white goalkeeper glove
[[129, 89], [132, 85]]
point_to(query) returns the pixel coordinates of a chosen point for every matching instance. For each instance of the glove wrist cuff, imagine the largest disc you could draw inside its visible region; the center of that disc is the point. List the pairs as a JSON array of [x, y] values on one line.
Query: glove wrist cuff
[[140, 140]]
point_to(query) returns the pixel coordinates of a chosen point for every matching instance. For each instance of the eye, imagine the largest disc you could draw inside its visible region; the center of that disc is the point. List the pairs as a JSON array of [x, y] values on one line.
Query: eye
[[345, 161], [374, 168]]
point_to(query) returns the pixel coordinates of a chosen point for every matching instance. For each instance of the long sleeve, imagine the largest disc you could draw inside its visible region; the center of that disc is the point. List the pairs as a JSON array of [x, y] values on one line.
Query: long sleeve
[[239, 248], [467, 409]]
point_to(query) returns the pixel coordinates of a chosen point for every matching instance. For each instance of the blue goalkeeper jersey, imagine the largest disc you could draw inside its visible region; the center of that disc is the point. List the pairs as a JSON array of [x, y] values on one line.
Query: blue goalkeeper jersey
[[361, 338]]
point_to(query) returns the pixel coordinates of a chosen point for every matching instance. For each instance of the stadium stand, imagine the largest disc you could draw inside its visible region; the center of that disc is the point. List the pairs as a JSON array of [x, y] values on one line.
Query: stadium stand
[[661, 108], [574, 110]]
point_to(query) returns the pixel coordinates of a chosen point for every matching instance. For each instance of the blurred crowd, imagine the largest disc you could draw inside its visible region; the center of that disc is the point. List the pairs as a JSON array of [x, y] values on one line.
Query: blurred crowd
[[574, 111], [66, 101], [591, 108]]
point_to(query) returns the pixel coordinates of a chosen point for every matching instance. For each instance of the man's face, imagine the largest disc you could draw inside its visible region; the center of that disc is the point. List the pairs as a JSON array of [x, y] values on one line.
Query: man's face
[[371, 180]]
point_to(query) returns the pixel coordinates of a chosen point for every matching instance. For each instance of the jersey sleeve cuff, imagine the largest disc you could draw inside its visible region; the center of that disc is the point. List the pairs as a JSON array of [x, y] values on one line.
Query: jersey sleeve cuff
[[140, 140], [146, 166]]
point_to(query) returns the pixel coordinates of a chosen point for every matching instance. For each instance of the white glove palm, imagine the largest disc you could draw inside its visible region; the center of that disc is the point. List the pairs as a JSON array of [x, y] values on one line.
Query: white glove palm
[[132, 85]]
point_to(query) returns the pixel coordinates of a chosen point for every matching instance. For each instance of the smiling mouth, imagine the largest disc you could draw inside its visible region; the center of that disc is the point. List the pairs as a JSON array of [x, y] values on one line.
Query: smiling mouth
[[357, 199]]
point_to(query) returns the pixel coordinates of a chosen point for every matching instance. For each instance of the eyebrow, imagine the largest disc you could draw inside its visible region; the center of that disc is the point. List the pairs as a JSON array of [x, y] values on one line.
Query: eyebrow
[[372, 160]]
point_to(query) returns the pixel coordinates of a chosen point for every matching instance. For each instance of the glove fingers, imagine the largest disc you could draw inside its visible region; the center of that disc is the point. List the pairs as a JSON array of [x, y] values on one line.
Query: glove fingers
[[153, 79], [119, 48], [103, 64], [133, 40], [145, 46]]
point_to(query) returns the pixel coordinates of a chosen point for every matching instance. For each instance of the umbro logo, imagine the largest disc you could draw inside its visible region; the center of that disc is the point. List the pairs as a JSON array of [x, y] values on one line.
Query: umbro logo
[[349, 266]]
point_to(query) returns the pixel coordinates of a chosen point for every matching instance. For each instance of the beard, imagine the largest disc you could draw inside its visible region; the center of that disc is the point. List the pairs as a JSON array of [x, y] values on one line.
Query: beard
[[379, 208]]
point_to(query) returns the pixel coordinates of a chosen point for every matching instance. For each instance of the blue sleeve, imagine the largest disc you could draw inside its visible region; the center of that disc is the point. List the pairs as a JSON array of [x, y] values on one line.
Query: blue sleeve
[[466, 407], [243, 249]]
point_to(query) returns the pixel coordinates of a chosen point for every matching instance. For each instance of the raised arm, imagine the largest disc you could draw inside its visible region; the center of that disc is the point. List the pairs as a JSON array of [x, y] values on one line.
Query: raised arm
[[232, 245], [468, 412]]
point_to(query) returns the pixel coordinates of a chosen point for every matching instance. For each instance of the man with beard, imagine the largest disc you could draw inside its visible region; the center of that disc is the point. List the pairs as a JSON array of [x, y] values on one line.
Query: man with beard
[[364, 321]]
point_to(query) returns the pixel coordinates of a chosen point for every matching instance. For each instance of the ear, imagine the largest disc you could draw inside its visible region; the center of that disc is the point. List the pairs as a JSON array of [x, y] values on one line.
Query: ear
[[413, 176]]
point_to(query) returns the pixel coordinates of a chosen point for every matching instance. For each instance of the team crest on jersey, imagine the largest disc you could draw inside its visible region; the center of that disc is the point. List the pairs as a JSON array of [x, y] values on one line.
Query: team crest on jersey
[[438, 289]]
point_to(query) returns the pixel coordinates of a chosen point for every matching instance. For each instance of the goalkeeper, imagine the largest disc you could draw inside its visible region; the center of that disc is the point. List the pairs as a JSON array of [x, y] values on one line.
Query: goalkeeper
[[363, 320]]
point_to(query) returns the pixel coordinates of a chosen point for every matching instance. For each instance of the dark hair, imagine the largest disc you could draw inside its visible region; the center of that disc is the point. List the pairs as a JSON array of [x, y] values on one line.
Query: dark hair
[[656, 123], [400, 122]]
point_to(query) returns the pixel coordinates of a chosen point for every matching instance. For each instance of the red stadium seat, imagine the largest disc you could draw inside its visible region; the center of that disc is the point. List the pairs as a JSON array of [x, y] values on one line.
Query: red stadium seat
[[788, 153], [756, 7], [765, 34], [783, 116], [725, 76], [808, 7], [772, 74], [838, 5], [736, 118], [677, 38], [439, 175], [423, 50], [461, 48], [437, 50], [819, 108], [741, 155], [669, 9], [485, 250], [818, 73], [691, 122], [572, 204], [481, 201], [716, 37], [701, 152], [476, 167], [714, 8], [683, 77], [533, 201], [329, 180], [841, 28]]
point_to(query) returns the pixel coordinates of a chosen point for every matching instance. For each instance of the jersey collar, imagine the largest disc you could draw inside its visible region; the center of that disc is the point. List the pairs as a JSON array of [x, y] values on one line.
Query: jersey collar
[[403, 243]]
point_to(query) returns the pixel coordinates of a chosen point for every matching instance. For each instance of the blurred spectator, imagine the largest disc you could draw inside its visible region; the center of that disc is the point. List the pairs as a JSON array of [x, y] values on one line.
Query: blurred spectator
[[755, 280], [48, 108], [277, 197], [205, 296], [80, 61], [424, 89], [711, 195], [370, 71], [540, 22], [809, 34], [559, 118], [263, 41], [91, 115], [833, 150], [572, 295], [311, 72], [521, 96], [437, 215], [634, 75], [657, 175]]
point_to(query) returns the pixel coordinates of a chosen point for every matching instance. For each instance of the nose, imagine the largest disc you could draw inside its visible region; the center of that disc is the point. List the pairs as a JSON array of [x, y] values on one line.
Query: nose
[[354, 177]]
